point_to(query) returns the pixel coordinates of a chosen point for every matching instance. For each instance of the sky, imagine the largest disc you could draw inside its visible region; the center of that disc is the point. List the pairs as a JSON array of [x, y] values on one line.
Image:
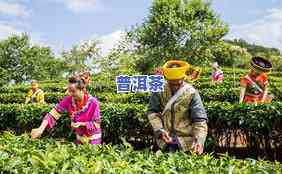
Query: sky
[[61, 24]]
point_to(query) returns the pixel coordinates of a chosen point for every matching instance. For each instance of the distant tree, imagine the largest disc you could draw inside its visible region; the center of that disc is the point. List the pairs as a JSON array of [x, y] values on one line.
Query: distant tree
[[81, 57], [227, 54], [255, 49], [20, 60], [176, 29]]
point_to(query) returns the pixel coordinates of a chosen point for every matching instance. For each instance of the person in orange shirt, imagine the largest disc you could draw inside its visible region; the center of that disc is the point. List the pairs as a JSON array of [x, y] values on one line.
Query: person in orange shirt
[[254, 85]]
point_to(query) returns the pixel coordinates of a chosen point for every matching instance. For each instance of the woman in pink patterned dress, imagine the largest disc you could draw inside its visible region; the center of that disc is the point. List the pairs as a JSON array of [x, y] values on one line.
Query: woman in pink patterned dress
[[83, 110], [217, 74]]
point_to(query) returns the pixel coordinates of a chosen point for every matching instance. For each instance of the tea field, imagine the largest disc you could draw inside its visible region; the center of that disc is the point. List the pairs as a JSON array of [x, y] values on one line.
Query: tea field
[[128, 141]]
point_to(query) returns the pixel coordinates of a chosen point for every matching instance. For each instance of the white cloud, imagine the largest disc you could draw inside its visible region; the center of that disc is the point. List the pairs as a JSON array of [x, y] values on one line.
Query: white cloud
[[110, 41], [38, 39], [106, 43], [264, 31], [7, 30], [81, 6], [16, 25], [14, 9]]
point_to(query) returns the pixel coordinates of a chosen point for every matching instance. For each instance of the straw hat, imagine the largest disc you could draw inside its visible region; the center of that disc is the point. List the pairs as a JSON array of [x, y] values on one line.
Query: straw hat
[[261, 64]]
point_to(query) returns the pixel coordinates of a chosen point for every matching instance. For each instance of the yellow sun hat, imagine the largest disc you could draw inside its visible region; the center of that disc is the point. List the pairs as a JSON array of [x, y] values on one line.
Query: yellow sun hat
[[175, 73]]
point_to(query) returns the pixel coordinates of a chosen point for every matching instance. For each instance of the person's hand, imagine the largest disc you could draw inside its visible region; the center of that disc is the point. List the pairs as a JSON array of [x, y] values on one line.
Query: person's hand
[[77, 124], [26, 101], [197, 147], [36, 133], [263, 98], [165, 137]]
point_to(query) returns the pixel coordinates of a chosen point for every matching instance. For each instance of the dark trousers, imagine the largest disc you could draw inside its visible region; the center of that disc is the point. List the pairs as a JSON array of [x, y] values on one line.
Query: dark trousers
[[171, 148]]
